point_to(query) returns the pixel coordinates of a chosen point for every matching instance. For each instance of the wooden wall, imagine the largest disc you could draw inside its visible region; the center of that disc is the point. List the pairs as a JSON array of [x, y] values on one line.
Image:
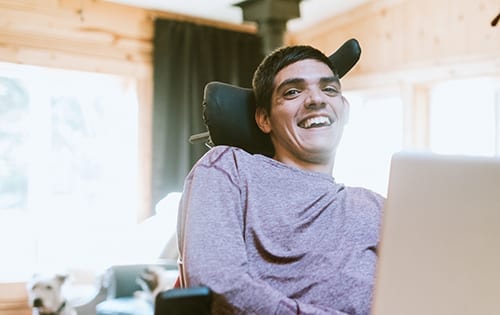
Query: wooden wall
[[81, 35], [89, 35], [414, 40], [14, 299]]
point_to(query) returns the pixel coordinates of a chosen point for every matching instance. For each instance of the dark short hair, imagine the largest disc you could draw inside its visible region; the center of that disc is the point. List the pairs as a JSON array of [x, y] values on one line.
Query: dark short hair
[[263, 78]]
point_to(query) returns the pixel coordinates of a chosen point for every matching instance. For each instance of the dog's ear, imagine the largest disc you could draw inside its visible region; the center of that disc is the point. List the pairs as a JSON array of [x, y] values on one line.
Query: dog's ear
[[62, 277]]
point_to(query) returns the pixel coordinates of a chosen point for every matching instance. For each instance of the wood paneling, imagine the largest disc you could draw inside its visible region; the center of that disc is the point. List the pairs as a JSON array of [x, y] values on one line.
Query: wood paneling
[[14, 299], [414, 39], [82, 35], [86, 35]]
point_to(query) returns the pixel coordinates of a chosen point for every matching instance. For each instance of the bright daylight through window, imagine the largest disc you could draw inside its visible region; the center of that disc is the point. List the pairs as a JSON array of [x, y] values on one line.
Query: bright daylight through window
[[374, 132], [68, 168], [465, 117]]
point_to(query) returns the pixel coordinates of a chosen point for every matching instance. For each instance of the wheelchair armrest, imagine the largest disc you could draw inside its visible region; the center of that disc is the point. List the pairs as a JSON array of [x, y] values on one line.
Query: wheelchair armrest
[[186, 301]]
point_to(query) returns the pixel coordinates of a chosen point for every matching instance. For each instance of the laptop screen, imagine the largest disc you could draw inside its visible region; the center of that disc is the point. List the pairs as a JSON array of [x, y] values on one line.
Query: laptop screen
[[440, 238]]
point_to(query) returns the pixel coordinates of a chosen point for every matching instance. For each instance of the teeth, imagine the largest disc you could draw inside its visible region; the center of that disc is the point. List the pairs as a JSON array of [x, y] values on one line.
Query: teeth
[[316, 122]]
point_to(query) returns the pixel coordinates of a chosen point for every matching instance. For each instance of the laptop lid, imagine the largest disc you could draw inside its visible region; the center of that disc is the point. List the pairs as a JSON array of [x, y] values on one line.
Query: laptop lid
[[440, 239]]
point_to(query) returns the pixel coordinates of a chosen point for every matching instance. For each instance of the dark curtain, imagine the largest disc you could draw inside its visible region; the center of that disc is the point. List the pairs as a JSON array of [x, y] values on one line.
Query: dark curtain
[[186, 57]]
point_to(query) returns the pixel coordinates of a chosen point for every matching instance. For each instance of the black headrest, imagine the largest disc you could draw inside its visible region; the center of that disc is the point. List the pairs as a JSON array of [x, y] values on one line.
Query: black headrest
[[229, 110]]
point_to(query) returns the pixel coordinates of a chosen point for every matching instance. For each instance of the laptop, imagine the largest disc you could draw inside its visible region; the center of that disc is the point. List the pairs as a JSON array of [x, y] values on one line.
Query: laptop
[[440, 239]]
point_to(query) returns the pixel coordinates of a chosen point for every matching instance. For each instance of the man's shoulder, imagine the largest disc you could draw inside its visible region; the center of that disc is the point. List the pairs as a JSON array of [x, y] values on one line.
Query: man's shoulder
[[224, 161], [224, 153], [228, 158], [364, 194]]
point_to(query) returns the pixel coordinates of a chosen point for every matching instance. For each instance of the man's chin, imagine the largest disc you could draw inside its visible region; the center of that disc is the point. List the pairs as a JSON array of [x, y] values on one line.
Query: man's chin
[[320, 147], [321, 155]]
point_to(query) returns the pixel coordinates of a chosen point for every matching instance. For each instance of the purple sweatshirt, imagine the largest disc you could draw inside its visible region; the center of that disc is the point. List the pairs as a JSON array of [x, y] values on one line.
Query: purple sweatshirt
[[269, 238]]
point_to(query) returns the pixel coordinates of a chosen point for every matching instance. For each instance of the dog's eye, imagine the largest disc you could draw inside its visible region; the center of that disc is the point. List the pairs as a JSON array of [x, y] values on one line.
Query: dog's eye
[[48, 287]]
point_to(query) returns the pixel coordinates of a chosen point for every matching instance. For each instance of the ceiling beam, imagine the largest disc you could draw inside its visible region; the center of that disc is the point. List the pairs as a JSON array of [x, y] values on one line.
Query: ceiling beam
[[271, 17]]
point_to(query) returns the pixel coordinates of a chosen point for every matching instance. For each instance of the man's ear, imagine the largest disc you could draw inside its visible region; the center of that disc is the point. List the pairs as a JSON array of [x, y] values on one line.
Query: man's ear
[[262, 120]]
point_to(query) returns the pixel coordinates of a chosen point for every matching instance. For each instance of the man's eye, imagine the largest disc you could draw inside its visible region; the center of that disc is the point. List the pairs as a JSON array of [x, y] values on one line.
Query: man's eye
[[291, 92], [330, 90]]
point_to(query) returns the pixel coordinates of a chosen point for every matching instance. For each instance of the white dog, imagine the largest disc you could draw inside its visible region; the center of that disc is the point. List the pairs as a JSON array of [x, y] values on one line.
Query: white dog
[[46, 297]]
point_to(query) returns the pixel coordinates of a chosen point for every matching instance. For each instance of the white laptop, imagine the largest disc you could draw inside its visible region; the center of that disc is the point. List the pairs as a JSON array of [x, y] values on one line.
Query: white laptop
[[440, 241]]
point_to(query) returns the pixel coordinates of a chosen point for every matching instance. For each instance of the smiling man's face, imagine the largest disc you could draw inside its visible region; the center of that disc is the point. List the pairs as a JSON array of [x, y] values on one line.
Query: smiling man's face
[[307, 117]]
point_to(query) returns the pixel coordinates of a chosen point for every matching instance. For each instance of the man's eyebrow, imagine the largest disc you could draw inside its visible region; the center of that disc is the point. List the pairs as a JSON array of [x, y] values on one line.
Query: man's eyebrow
[[290, 81], [322, 80]]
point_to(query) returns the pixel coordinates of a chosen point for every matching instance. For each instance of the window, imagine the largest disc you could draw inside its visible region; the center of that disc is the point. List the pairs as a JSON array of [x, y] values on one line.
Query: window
[[465, 117], [374, 132], [68, 168]]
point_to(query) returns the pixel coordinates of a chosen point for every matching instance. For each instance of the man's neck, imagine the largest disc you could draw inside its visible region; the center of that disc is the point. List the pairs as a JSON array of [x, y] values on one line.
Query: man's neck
[[325, 167]]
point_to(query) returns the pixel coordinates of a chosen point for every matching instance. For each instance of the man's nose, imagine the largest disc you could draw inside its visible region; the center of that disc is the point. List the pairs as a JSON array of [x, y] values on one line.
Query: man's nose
[[315, 99]]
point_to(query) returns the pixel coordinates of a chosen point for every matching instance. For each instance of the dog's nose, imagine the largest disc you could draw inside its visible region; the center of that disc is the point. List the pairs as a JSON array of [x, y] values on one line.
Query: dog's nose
[[37, 302]]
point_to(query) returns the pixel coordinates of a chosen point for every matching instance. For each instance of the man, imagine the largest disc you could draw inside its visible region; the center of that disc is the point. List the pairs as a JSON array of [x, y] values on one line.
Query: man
[[279, 235]]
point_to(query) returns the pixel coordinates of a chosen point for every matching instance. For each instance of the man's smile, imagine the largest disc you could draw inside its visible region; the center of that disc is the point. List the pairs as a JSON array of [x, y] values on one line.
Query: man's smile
[[315, 122]]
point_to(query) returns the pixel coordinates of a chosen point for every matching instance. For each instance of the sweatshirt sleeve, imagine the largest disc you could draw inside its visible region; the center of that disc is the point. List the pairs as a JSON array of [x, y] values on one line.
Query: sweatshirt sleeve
[[212, 245]]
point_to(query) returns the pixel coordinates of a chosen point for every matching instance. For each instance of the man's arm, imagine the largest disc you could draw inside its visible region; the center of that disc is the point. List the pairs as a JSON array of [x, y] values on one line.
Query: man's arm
[[213, 252]]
